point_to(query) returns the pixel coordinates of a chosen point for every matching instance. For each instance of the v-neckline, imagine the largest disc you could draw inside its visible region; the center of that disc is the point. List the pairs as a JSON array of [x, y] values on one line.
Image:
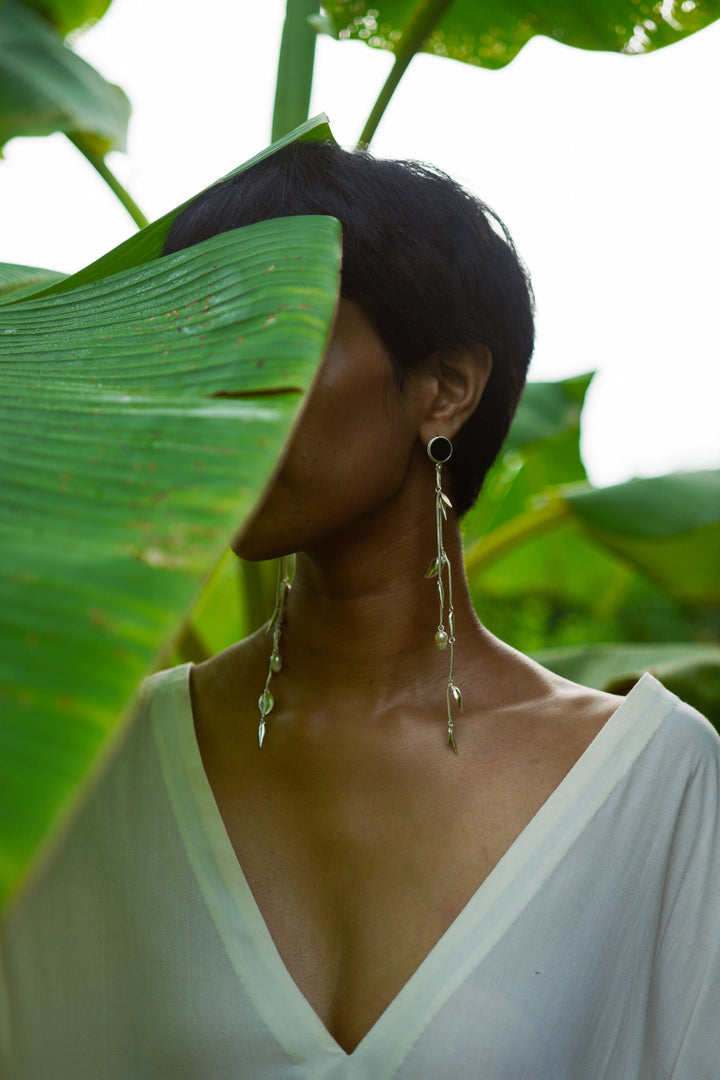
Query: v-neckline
[[528, 862]]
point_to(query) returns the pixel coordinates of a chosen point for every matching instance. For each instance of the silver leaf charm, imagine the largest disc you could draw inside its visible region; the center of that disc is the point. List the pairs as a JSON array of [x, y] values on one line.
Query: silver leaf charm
[[455, 691], [433, 569], [445, 499], [266, 703], [451, 740], [261, 732]]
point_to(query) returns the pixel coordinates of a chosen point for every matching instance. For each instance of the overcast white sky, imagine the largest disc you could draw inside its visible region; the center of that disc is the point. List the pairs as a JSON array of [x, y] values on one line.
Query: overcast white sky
[[604, 167]]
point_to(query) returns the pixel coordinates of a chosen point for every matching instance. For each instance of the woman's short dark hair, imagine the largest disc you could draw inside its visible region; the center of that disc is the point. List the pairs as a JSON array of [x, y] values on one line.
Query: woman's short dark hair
[[431, 265]]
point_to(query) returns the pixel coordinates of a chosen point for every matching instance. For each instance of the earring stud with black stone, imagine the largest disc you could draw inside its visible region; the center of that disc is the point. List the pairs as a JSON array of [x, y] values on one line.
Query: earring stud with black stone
[[439, 451]]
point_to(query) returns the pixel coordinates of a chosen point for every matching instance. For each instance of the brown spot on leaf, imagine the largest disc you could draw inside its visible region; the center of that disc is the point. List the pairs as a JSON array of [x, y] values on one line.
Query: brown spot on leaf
[[64, 703]]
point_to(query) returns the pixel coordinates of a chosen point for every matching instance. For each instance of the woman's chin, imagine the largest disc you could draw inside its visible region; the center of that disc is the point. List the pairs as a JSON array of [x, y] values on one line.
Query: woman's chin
[[250, 549], [254, 543]]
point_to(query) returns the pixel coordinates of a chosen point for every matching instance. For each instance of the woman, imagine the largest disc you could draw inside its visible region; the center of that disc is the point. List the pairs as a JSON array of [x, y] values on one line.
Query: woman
[[541, 904]]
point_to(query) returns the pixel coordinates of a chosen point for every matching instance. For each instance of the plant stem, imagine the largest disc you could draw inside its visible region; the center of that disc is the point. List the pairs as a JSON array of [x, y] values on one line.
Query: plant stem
[[515, 532], [98, 162], [427, 14], [295, 67]]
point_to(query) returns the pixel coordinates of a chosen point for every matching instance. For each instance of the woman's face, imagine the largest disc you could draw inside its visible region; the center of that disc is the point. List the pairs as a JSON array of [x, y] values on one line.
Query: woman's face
[[350, 453]]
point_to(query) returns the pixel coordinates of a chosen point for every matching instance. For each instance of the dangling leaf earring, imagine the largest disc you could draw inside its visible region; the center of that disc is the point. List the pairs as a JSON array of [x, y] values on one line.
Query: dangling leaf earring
[[440, 451], [266, 702]]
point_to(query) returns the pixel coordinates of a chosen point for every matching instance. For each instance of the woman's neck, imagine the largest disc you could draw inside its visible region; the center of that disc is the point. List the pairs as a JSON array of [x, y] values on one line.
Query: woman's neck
[[360, 625]]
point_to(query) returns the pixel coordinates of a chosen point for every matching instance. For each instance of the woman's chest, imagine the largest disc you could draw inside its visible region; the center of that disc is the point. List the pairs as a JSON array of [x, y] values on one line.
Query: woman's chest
[[357, 884], [357, 915]]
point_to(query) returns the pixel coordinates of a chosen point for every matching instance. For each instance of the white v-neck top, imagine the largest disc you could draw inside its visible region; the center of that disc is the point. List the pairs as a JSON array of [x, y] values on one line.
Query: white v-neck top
[[591, 952]]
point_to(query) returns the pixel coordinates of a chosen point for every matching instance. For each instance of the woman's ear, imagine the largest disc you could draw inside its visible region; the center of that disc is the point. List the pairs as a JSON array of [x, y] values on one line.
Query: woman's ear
[[457, 382]]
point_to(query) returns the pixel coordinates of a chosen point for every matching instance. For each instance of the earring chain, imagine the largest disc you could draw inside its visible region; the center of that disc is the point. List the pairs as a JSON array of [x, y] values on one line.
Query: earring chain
[[445, 639], [266, 701]]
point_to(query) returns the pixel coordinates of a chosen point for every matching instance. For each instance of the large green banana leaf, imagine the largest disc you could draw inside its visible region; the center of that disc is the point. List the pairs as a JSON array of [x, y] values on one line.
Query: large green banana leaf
[[140, 416], [45, 87], [491, 33]]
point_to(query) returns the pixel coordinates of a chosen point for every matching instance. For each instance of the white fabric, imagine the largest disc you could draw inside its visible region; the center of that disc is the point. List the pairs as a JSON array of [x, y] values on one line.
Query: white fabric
[[591, 952]]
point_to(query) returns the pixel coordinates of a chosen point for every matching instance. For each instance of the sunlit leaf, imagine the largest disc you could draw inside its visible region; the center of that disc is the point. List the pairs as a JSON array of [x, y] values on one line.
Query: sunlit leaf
[[491, 33]]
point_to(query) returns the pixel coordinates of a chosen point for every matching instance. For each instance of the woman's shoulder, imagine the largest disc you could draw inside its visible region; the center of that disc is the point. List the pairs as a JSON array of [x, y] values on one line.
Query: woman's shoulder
[[570, 717], [163, 681], [652, 733], [222, 678], [160, 692], [682, 731], [211, 676], [642, 698], [674, 727]]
